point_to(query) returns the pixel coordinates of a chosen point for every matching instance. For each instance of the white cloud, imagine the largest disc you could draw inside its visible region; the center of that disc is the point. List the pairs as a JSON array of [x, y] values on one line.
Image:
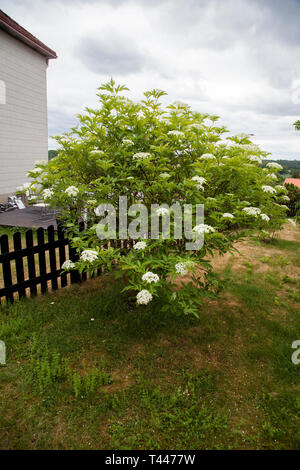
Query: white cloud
[[239, 58]]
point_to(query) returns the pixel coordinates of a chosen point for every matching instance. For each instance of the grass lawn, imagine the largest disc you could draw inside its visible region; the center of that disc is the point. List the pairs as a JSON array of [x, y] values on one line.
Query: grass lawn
[[87, 371]]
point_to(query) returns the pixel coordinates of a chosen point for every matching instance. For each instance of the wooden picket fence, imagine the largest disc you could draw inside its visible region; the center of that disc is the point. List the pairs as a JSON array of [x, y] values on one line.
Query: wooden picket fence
[[292, 210], [31, 264], [30, 267]]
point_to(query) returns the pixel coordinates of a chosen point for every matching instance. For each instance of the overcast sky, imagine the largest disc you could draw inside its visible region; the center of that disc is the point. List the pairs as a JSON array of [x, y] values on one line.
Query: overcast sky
[[239, 59]]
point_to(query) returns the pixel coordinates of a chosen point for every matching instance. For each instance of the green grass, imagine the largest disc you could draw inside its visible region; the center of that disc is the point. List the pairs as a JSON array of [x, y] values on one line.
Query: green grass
[[87, 370]]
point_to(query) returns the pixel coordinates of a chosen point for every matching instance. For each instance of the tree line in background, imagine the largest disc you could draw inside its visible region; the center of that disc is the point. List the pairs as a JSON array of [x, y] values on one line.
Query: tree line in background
[[291, 168], [52, 154]]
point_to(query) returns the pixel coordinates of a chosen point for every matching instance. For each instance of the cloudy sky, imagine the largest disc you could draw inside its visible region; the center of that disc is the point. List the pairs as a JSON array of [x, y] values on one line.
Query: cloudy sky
[[239, 59]]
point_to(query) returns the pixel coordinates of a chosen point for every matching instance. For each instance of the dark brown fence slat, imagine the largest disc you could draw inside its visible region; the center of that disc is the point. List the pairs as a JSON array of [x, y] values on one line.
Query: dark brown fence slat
[[75, 276], [6, 267], [19, 263], [62, 255], [31, 262], [292, 209], [42, 258], [52, 256]]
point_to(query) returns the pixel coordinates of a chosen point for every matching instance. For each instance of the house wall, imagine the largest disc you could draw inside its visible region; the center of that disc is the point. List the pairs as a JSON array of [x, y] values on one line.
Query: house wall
[[23, 111]]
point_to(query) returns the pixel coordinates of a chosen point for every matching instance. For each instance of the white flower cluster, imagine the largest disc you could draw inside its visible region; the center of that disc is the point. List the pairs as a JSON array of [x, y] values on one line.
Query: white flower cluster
[[241, 146], [250, 147], [228, 143], [176, 133], [47, 193], [252, 211], [227, 215], [162, 211], [72, 191], [274, 166], [243, 135], [91, 202], [35, 171], [181, 268], [139, 245], [203, 228], [150, 277], [127, 142], [89, 255], [40, 162], [141, 156], [272, 176], [97, 152], [285, 198], [279, 187], [180, 153], [207, 156], [255, 158], [144, 297], [164, 175], [24, 188], [265, 217], [268, 189], [201, 181], [68, 264]]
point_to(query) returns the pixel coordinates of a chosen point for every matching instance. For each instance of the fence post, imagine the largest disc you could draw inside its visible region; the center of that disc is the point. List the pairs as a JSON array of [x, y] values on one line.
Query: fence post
[[52, 256], [19, 263], [31, 263], [62, 254], [6, 267], [42, 258], [73, 256]]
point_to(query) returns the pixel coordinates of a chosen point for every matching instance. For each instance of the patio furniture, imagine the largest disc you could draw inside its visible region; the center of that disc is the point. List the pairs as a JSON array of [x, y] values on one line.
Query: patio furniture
[[45, 210]]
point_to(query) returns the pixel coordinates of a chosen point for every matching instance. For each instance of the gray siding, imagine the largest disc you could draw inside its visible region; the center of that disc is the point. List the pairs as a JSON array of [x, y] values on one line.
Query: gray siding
[[23, 119]]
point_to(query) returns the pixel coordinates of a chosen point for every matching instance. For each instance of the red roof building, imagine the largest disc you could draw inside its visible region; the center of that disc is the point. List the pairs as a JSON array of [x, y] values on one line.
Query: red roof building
[[294, 181], [14, 29]]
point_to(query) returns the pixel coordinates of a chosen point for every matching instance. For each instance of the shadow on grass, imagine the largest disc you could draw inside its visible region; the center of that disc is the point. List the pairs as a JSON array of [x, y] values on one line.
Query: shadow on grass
[[72, 322]]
